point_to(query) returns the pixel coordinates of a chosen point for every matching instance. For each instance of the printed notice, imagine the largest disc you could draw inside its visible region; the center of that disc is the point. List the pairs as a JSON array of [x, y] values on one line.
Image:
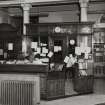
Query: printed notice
[[56, 48], [39, 50], [34, 45], [66, 59], [1, 51], [10, 46], [50, 54], [77, 51], [44, 50]]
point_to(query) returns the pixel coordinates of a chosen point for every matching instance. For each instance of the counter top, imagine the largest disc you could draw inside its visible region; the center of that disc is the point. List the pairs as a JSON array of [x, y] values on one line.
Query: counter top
[[24, 68]]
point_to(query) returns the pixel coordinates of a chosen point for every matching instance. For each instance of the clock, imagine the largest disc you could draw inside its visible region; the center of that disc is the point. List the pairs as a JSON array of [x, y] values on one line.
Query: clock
[[72, 41], [57, 29]]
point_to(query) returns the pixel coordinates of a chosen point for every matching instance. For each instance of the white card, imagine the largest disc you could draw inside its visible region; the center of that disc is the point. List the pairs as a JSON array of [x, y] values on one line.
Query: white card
[[1, 51], [66, 59], [10, 46], [50, 54], [44, 50], [77, 51], [39, 50]]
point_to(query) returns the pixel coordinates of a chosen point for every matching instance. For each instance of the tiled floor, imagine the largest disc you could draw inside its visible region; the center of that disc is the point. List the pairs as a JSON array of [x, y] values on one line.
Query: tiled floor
[[90, 99]]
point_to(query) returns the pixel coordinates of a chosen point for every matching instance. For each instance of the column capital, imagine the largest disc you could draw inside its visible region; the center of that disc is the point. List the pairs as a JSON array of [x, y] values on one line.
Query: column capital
[[26, 6], [83, 3]]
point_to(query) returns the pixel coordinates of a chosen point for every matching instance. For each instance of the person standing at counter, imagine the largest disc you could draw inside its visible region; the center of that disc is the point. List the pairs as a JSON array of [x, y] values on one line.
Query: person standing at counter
[[70, 72]]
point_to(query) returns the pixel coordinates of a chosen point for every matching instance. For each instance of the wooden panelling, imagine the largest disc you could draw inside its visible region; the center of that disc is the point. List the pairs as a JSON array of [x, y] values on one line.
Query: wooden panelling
[[84, 84], [23, 68], [99, 86], [55, 88]]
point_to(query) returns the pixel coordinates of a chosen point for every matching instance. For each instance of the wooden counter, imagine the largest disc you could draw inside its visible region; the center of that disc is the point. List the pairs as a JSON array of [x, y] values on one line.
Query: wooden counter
[[52, 84], [23, 68]]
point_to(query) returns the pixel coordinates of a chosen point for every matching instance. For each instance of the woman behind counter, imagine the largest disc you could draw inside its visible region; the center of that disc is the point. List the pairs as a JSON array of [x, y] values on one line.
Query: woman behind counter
[[70, 70]]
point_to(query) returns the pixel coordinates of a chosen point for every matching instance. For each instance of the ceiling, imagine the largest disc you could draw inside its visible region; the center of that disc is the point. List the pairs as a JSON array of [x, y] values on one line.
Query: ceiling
[[42, 8]]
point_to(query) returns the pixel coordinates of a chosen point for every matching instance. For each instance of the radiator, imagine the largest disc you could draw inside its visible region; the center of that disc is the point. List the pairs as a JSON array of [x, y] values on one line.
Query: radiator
[[18, 92]]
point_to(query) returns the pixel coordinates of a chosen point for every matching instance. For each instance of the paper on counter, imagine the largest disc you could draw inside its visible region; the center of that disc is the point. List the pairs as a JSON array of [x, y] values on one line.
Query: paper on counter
[[46, 60]]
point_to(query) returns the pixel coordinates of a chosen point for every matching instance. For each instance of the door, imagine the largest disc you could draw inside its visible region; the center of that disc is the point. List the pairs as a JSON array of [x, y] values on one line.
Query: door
[[59, 48]]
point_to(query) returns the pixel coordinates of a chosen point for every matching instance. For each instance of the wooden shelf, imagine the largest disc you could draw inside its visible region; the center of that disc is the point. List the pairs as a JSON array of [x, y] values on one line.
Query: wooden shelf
[[98, 43], [99, 63]]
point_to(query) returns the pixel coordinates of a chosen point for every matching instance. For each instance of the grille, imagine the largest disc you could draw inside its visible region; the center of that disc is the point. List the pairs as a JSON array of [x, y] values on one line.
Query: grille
[[15, 92]]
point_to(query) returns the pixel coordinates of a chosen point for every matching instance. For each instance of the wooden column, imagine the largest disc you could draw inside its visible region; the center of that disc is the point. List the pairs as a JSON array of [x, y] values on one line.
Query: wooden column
[[26, 19], [26, 16], [83, 5]]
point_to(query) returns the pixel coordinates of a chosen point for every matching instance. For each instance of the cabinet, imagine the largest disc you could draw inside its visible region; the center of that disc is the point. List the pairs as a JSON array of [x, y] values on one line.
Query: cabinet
[[83, 82], [99, 52], [52, 85], [10, 42], [84, 51]]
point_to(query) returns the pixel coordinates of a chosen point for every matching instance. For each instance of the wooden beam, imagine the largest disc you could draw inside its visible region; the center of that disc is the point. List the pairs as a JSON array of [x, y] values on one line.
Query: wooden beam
[[56, 3], [97, 1], [36, 2], [96, 12], [99, 25]]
